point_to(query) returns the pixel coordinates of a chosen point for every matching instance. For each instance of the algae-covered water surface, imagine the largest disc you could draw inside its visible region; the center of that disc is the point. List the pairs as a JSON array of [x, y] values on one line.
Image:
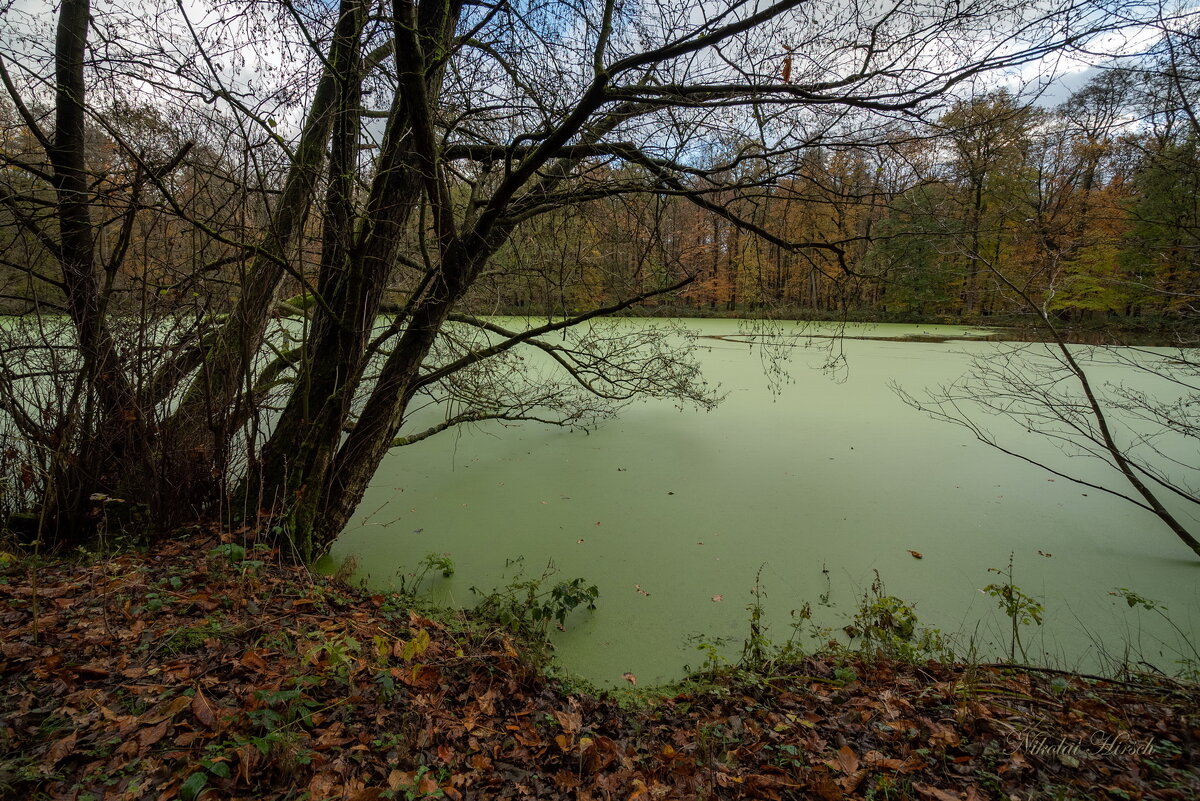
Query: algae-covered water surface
[[803, 492]]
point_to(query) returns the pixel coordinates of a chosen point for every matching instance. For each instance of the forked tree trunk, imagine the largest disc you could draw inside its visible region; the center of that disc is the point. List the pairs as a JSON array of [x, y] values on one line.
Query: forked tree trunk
[[206, 420], [357, 260]]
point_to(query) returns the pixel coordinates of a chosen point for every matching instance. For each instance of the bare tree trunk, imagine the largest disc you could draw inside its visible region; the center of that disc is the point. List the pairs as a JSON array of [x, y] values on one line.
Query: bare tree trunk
[[113, 429], [205, 421], [355, 269]]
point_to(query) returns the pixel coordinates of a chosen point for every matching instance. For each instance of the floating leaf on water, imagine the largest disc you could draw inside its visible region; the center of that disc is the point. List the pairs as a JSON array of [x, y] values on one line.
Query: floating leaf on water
[[718, 598], [916, 554], [629, 677]]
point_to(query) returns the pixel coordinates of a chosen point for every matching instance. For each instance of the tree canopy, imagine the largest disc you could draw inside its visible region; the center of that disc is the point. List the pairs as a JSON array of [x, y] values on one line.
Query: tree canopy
[[250, 240]]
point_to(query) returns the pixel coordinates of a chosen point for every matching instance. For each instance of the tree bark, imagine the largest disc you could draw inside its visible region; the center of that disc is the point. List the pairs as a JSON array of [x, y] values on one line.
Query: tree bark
[[113, 428], [205, 421]]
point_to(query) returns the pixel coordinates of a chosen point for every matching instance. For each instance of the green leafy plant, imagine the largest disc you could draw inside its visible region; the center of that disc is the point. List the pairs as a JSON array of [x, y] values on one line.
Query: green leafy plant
[[1021, 609], [229, 551], [889, 626], [339, 652], [1189, 664], [757, 646], [528, 606], [433, 562], [714, 650]]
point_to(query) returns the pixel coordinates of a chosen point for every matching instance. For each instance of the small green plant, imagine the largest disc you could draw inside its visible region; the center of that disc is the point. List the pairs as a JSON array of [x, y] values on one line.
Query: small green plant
[[529, 605], [339, 652], [423, 785], [1021, 609], [215, 764], [229, 551], [1189, 664], [756, 647], [190, 638], [279, 709], [432, 562], [845, 675], [155, 602], [714, 650], [888, 625]]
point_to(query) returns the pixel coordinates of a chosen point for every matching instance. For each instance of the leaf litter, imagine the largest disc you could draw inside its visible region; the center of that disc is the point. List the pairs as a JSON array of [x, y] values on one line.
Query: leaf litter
[[182, 674]]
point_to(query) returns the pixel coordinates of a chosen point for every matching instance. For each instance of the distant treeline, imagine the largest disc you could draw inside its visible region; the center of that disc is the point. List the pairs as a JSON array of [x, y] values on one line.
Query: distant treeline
[[1089, 210]]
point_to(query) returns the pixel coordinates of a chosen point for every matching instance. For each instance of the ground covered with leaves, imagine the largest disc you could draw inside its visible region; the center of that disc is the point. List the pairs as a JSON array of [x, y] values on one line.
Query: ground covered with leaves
[[205, 670]]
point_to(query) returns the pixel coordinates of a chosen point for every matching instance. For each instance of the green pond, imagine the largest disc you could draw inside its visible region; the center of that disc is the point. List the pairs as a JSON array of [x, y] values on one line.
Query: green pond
[[804, 493]]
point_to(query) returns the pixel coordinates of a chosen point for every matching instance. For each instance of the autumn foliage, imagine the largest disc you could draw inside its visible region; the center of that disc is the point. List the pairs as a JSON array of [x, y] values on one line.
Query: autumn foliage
[[204, 670]]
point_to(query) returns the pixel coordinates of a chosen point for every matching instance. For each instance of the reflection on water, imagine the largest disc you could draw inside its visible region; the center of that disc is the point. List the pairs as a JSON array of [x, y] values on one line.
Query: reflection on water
[[673, 514]]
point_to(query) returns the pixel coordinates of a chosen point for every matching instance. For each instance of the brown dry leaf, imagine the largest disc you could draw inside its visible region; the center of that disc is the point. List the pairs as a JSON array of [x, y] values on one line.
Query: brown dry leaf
[[1016, 761], [943, 734], [152, 734], [603, 753], [248, 757], [850, 783], [203, 710], [566, 780], [252, 660], [929, 791], [60, 750], [846, 760], [916, 554], [571, 722], [397, 779], [165, 710], [629, 677], [323, 785], [825, 787]]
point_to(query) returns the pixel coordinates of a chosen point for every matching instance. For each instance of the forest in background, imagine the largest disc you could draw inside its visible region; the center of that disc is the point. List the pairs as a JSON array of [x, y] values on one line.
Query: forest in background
[[1092, 207]]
